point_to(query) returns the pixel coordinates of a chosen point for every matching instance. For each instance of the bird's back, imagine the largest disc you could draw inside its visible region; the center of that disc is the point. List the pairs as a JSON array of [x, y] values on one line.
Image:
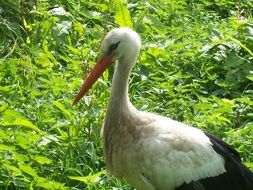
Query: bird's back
[[160, 153]]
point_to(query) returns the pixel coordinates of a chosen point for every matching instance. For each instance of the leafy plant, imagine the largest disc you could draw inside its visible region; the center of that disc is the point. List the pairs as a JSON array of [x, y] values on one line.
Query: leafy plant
[[195, 66]]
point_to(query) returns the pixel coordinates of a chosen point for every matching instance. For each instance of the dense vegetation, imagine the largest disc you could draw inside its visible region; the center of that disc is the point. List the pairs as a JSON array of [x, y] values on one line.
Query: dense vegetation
[[196, 66]]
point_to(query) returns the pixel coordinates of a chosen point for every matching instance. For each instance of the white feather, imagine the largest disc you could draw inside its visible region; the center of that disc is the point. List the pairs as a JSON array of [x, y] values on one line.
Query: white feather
[[168, 154], [152, 152]]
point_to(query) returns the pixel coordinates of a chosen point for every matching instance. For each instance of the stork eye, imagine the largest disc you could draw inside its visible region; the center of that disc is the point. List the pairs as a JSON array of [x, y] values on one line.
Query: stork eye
[[113, 46]]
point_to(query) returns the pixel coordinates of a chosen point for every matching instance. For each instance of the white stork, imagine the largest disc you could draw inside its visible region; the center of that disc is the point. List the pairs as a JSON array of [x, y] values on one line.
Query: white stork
[[153, 152]]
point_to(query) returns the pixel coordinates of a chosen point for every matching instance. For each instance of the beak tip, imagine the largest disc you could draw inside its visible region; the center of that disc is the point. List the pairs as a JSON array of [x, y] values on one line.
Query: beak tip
[[102, 64], [75, 101]]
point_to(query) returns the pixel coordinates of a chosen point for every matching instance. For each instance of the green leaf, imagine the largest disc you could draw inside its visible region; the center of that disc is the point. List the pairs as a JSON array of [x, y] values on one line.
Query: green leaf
[[62, 108], [15, 171], [122, 15], [250, 77], [3, 106], [232, 61], [23, 141], [156, 24], [20, 158], [203, 106], [47, 139], [29, 170], [79, 28], [45, 60], [13, 118], [49, 184], [42, 160], [5, 88], [247, 130], [21, 122], [6, 147], [89, 180]]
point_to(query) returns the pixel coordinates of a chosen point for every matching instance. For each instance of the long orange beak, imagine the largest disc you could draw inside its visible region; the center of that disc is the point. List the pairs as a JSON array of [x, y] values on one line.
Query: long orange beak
[[102, 64]]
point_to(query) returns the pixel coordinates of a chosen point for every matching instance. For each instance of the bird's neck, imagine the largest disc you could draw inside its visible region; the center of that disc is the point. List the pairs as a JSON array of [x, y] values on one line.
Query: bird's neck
[[121, 114], [119, 106]]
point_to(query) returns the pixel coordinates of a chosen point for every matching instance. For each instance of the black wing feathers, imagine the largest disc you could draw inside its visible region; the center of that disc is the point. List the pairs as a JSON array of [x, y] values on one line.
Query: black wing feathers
[[222, 147], [238, 174], [236, 177]]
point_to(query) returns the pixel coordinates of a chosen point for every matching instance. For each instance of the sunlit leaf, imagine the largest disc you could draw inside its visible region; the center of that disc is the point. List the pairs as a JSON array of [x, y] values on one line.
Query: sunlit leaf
[[122, 16], [195, 66], [6, 147], [20, 158], [79, 28], [89, 179], [5, 88], [50, 184], [14, 170], [42, 160], [13, 118], [60, 106], [250, 78], [29, 170], [203, 106]]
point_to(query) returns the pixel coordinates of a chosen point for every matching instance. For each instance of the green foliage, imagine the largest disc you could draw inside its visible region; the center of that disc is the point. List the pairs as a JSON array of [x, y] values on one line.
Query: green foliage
[[196, 66]]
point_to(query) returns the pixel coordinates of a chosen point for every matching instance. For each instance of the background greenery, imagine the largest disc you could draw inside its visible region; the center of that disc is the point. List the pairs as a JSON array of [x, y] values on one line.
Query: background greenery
[[196, 66]]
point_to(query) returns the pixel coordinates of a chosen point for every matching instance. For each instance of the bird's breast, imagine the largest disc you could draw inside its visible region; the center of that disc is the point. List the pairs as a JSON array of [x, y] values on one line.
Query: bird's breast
[[118, 146]]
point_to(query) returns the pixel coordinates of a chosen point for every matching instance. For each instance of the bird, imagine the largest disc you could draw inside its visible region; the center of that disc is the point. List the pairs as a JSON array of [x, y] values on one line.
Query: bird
[[154, 152]]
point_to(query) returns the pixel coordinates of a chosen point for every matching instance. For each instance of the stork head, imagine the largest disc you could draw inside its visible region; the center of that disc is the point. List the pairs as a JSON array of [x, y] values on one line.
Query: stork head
[[121, 44]]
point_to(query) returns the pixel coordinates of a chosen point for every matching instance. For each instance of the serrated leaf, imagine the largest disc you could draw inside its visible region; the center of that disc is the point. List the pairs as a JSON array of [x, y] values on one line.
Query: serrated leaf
[[21, 122], [250, 78], [5, 88], [228, 102], [232, 61], [6, 147], [14, 170], [122, 16], [91, 179], [203, 106], [246, 130], [13, 118], [20, 158], [47, 139], [42, 160], [23, 141], [155, 23], [79, 28], [29, 170], [62, 108], [49, 184]]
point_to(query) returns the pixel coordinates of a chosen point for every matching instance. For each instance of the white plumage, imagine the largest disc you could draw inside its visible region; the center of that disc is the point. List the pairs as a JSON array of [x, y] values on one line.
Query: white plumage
[[153, 152], [160, 149]]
